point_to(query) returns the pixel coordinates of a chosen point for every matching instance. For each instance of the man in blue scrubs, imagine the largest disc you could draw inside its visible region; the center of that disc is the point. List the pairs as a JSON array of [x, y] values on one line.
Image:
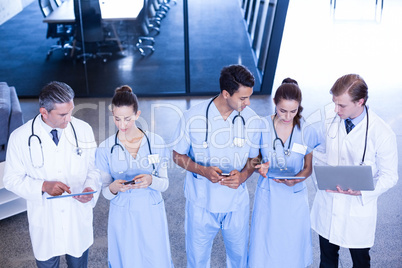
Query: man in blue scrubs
[[217, 142]]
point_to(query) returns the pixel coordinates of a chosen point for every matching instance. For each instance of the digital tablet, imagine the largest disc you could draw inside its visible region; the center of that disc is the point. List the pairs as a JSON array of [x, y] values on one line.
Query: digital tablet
[[357, 178], [68, 195], [287, 178]]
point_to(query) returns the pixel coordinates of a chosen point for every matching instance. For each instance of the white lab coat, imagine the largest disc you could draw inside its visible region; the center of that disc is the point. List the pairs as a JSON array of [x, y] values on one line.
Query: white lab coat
[[57, 226], [350, 221]]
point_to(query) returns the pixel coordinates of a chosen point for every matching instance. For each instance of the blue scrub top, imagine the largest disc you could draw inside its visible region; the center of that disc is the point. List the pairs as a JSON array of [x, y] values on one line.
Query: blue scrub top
[[122, 166], [221, 152], [303, 141]]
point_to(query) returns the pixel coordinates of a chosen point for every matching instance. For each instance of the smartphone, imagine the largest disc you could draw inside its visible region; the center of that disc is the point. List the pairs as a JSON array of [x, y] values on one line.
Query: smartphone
[[225, 174], [129, 182]]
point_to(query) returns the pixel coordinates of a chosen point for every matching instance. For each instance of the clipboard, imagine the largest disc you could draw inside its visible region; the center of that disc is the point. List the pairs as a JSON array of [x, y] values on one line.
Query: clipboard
[[357, 178], [69, 195]]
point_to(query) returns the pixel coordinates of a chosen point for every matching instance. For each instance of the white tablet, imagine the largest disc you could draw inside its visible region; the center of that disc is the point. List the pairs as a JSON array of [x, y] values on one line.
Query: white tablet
[[69, 195], [288, 174], [357, 178], [287, 178]]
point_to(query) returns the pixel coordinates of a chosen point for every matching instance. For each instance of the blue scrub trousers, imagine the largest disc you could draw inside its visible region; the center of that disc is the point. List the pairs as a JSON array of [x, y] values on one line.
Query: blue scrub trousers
[[72, 262], [201, 227]]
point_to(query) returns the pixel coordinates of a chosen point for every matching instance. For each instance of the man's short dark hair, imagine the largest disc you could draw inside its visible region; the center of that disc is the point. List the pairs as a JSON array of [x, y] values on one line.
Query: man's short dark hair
[[234, 76], [55, 92]]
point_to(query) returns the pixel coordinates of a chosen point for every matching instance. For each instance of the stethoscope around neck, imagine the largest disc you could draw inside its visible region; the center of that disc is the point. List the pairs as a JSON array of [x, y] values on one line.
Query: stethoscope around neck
[[116, 144], [237, 141], [278, 140], [78, 150], [279, 151], [365, 138]]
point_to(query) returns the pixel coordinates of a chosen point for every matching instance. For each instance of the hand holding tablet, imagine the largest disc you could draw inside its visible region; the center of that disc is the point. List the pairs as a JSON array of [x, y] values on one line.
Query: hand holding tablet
[[70, 195], [287, 178]]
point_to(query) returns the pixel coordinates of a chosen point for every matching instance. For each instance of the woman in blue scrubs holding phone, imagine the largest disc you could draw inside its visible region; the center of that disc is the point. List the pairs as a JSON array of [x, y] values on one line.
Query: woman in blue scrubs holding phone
[[133, 165], [280, 228]]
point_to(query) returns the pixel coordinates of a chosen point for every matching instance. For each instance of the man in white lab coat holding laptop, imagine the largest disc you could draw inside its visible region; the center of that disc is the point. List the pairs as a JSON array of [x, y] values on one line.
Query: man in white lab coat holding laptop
[[346, 217]]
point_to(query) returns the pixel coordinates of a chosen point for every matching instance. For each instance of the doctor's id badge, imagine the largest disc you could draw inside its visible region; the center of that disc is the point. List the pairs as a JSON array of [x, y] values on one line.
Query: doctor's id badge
[[299, 148], [153, 158]]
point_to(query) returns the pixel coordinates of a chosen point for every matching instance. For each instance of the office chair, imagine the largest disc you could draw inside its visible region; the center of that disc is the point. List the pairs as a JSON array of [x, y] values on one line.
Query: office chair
[[161, 6], [157, 11], [89, 30], [152, 28], [58, 2], [138, 31], [168, 2], [45, 7], [64, 32], [143, 28], [149, 21]]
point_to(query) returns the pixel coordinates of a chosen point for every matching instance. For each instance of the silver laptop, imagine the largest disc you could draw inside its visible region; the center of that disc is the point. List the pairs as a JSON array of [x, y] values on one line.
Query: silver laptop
[[358, 178]]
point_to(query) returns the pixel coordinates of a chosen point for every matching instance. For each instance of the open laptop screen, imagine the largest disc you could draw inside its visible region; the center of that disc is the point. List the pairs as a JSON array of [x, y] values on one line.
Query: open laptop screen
[[358, 178]]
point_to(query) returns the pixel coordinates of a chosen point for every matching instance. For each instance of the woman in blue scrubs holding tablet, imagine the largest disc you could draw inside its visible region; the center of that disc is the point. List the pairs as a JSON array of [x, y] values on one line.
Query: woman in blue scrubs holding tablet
[[133, 165], [280, 228]]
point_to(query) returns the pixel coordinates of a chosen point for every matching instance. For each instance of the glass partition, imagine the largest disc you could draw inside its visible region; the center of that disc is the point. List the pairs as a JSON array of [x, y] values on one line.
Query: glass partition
[[157, 49], [217, 37], [142, 47]]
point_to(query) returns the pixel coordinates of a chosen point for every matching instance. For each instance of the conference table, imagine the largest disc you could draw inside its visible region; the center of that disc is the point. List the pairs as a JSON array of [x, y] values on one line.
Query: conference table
[[111, 11]]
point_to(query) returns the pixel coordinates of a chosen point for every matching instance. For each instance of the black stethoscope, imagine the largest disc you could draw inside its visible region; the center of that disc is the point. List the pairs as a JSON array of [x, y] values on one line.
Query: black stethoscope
[[279, 151], [279, 140], [365, 138], [33, 135], [154, 172], [237, 141]]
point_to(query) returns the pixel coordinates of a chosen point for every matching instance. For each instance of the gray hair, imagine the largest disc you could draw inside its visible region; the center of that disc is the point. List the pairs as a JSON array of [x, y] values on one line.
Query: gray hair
[[55, 92]]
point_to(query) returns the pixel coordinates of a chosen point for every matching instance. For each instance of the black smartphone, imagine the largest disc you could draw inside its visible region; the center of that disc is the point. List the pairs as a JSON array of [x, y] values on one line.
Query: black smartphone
[[129, 182]]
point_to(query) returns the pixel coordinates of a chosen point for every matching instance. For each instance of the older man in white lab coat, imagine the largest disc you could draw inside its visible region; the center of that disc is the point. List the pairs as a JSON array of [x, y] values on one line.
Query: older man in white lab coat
[[53, 155], [345, 217]]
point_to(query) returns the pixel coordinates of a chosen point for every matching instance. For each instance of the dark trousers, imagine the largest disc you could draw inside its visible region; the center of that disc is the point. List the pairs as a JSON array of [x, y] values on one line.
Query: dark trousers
[[72, 262], [330, 256]]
